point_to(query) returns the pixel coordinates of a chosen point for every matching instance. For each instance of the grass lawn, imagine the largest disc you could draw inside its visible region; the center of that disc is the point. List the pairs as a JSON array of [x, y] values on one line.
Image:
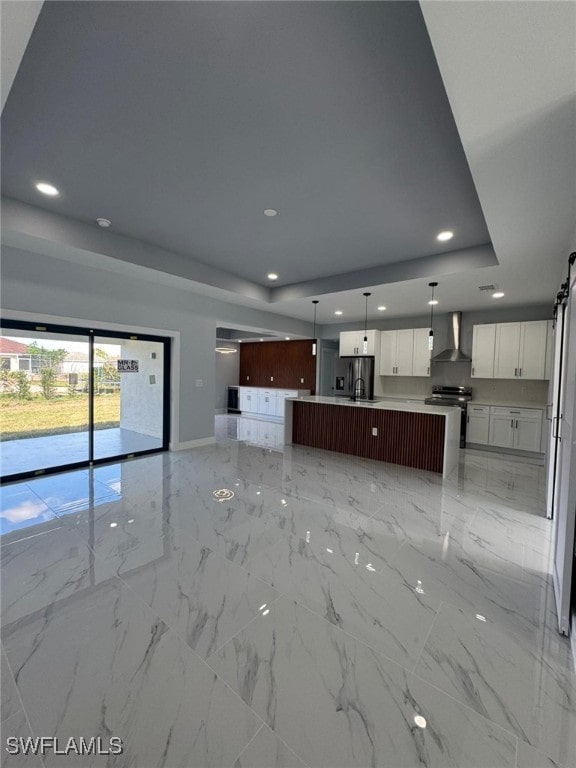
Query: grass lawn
[[40, 417]]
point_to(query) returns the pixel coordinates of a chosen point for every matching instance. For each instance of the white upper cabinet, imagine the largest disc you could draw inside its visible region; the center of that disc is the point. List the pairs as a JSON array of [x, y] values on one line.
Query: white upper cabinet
[[396, 352], [532, 357], [507, 350], [483, 345], [510, 350], [521, 350], [352, 343], [421, 353], [388, 341]]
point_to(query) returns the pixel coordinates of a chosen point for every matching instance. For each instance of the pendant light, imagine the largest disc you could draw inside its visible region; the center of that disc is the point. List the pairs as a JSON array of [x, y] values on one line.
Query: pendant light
[[365, 344], [431, 302], [315, 302]]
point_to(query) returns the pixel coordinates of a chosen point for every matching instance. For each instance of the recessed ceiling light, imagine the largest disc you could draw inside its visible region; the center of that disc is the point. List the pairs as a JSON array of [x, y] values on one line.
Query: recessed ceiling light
[[381, 309], [287, 338], [446, 235], [104, 223], [433, 302], [338, 312], [420, 721], [498, 295], [270, 212], [261, 339], [272, 276], [47, 189]]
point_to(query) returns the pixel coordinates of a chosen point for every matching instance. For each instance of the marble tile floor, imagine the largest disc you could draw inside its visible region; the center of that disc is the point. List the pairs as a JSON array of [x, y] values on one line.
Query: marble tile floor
[[320, 611]]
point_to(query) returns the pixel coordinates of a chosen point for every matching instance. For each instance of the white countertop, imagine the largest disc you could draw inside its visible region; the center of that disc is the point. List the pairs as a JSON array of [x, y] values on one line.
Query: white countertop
[[386, 405], [508, 403], [402, 398]]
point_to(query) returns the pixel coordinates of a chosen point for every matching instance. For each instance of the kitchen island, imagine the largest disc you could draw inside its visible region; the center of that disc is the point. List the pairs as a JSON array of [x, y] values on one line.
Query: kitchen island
[[410, 434]]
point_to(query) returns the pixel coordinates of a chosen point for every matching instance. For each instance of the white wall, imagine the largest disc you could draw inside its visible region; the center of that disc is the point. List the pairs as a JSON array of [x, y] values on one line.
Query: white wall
[[141, 399], [45, 286]]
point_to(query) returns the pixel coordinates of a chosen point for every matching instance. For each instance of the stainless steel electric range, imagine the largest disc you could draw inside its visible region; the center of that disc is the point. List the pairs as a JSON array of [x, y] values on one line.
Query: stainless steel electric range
[[457, 397]]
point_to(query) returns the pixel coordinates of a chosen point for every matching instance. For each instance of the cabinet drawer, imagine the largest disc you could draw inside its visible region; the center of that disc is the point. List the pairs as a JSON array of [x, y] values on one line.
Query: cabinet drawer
[[479, 409], [519, 413]]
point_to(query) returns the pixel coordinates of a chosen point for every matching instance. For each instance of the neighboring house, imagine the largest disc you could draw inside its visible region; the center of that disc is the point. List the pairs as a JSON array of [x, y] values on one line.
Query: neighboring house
[[76, 362], [14, 355]]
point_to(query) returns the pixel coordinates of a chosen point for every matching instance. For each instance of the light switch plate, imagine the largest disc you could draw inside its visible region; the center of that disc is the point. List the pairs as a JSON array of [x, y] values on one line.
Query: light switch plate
[[301, 381], [152, 379], [199, 383], [374, 431]]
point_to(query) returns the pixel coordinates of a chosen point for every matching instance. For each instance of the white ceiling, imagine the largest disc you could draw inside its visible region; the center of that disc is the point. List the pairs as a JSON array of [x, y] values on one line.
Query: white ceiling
[[509, 70]]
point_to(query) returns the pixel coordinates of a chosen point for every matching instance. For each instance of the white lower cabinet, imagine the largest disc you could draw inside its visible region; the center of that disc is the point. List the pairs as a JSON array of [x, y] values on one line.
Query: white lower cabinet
[[267, 402], [518, 428], [502, 430], [528, 432], [478, 424], [248, 400]]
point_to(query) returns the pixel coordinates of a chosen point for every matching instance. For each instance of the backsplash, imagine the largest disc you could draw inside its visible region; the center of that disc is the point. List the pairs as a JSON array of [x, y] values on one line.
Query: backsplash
[[458, 375]]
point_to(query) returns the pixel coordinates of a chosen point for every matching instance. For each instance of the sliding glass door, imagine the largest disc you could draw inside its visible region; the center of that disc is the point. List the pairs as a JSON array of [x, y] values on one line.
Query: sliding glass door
[[128, 396], [70, 397]]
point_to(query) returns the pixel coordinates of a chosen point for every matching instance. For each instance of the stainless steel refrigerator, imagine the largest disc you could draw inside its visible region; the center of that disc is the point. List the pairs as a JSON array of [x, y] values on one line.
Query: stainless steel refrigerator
[[355, 377]]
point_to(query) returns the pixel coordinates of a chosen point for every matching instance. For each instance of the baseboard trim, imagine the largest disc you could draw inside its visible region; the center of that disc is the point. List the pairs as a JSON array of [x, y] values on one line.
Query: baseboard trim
[[193, 444], [507, 451]]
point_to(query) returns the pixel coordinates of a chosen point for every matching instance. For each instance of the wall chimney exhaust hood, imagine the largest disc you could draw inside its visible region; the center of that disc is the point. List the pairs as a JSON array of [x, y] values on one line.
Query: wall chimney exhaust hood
[[453, 354]]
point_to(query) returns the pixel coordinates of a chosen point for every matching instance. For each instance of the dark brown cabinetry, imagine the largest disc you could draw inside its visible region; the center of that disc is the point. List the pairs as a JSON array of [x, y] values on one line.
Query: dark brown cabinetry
[[289, 364]]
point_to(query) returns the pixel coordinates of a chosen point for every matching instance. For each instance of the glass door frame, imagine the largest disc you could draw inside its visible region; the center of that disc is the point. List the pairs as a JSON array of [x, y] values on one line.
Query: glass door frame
[[90, 333]]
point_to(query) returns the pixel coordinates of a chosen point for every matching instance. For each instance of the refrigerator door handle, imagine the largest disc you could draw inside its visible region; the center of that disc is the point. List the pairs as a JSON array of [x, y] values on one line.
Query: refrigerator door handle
[[554, 432]]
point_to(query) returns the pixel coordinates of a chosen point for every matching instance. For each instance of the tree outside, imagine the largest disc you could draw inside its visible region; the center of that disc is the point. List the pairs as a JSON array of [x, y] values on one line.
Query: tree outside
[[44, 400]]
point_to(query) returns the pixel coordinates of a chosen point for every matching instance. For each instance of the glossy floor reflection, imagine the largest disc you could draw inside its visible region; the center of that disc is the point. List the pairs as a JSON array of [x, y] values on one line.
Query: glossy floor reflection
[[244, 607]]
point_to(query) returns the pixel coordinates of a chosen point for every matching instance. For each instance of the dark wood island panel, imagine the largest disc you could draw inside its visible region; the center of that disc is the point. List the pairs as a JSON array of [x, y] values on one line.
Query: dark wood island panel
[[411, 439]]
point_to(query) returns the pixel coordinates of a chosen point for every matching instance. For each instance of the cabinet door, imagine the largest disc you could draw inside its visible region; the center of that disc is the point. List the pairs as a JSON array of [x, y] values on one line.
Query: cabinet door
[[421, 354], [532, 359], [483, 349], [477, 428], [279, 404], [404, 352], [388, 352], [348, 343], [502, 430], [527, 433], [507, 348], [248, 402]]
